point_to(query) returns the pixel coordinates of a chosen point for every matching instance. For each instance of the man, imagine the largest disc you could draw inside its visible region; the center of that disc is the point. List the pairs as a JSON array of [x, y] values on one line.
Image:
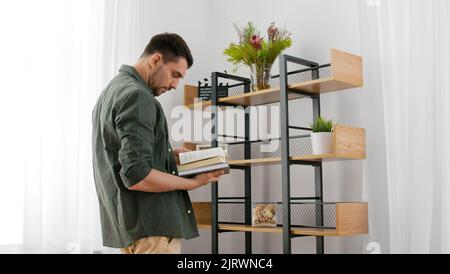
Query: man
[[144, 205]]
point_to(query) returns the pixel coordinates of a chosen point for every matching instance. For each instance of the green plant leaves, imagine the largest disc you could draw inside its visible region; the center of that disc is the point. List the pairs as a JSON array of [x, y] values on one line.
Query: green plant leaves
[[322, 125], [245, 53]]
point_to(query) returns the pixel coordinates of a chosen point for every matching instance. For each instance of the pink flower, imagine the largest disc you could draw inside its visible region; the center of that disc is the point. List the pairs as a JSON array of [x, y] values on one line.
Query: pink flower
[[272, 31], [256, 41]]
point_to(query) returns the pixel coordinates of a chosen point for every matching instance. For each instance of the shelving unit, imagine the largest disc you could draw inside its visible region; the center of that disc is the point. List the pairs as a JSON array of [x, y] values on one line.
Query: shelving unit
[[344, 72], [348, 144], [349, 219], [303, 216]]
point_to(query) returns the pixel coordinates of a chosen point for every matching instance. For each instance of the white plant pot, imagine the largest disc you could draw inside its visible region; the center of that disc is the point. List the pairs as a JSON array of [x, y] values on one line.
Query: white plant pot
[[322, 142]]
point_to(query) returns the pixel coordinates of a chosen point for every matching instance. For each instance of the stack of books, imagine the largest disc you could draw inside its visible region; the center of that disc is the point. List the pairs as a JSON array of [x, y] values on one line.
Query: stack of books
[[202, 161], [204, 92]]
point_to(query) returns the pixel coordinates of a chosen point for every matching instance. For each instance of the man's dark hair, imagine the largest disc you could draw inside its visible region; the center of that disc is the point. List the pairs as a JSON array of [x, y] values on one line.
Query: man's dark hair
[[171, 46]]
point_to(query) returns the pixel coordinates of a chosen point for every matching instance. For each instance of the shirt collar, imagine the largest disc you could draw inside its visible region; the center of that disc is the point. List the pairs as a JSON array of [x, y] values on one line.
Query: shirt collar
[[133, 72]]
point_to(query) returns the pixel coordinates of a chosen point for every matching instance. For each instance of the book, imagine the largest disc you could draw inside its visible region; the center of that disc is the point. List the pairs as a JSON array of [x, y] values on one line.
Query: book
[[194, 156], [202, 161], [192, 172]]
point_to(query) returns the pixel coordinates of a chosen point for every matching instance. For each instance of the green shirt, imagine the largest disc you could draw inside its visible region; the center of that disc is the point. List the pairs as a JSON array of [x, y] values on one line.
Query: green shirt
[[130, 138]]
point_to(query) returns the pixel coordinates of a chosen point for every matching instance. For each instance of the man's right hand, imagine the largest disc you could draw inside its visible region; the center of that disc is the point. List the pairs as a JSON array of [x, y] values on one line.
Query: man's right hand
[[204, 179]]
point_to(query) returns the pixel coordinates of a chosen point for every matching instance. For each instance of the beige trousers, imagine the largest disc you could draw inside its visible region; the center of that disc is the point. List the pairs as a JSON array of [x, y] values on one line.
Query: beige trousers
[[154, 245]]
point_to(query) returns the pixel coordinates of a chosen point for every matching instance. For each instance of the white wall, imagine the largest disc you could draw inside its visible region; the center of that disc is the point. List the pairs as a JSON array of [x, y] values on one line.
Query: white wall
[[317, 26]]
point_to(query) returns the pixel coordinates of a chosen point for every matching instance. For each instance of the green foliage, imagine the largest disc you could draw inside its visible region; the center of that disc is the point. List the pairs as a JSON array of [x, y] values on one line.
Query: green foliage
[[255, 49], [241, 53], [322, 125]]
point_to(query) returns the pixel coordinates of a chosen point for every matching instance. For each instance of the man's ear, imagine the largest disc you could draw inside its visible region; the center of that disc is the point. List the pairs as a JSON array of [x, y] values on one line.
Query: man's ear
[[155, 60]]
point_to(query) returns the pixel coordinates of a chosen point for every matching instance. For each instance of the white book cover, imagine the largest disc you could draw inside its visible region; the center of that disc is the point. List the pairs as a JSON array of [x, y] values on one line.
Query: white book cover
[[193, 156]]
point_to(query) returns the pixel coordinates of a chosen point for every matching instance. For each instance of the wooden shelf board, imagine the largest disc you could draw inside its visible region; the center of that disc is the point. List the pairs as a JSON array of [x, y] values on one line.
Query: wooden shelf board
[[322, 157], [295, 231], [322, 86], [255, 98], [250, 228], [255, 162], [205, 104], [204, 226], [272, 95], [260, 97]]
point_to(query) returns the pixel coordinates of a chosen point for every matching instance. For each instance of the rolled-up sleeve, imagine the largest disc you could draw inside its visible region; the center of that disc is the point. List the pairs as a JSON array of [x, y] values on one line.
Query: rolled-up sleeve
[[135, 121]]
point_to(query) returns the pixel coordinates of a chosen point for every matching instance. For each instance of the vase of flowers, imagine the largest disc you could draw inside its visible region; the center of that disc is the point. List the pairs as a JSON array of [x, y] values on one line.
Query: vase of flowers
[[258, 52]]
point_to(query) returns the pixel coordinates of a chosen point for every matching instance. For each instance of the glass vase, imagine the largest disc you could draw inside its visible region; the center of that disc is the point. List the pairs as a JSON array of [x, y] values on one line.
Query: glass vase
[[260, 76]]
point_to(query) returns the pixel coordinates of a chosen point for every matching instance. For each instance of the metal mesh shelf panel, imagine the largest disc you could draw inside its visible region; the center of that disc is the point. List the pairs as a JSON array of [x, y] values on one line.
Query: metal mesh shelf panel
[[298, 146], [236, 90], [302, 214], [305, 76], [295, 78], [231, 212]]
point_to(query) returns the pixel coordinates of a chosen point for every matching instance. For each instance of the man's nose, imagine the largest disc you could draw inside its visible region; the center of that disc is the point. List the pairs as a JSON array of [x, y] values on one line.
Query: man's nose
[[174, 84]]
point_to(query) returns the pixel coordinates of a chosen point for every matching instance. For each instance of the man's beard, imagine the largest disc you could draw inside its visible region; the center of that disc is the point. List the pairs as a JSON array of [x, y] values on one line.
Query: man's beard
[[152, 79]]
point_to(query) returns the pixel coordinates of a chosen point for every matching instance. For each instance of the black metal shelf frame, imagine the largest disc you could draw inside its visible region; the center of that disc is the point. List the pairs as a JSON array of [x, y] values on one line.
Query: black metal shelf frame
[[293, 77], [287, 201]]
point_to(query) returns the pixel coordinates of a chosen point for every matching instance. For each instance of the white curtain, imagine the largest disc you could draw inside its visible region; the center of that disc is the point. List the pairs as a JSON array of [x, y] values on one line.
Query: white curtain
[[56, 58], [406, 109]]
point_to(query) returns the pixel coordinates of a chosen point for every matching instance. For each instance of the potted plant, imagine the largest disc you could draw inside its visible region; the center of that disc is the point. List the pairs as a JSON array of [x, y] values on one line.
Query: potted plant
[[322, 136], [258, 52]]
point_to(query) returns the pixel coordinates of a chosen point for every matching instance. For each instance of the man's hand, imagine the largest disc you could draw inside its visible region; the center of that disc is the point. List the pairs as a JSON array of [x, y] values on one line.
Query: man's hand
[[177, 151], [204, 179]]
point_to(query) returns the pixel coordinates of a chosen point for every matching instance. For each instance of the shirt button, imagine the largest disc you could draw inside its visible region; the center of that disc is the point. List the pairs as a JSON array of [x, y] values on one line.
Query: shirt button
[[189, 211], [173, 172], [170, 150]]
